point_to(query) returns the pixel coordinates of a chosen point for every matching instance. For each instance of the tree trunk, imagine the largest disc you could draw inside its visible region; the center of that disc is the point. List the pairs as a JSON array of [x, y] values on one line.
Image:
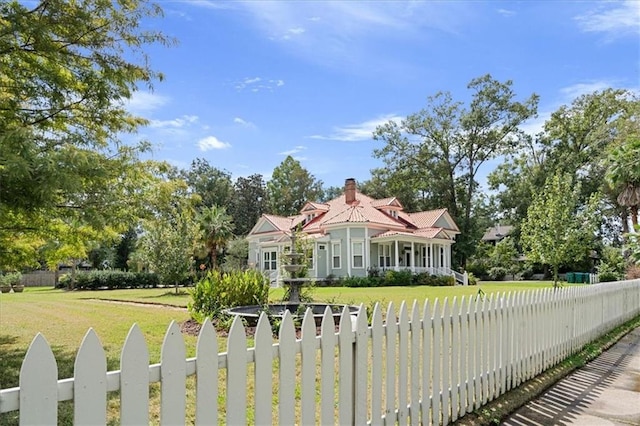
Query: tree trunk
[[634, 216], [625, 224], [555, 276], [214, 257]]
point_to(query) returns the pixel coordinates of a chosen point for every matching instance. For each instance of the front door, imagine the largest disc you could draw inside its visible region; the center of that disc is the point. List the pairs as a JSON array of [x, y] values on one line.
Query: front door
[[407, 259]]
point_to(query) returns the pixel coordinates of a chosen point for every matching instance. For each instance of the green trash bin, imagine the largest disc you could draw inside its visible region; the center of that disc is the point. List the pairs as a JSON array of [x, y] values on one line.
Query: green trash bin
[[571, 277]]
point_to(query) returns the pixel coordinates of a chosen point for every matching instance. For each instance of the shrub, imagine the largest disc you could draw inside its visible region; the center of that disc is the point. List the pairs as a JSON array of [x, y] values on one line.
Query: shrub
[[472, 280], [94, 280], [356, 282], [608, 276], [218, 291], [398, 278], [497, 273]]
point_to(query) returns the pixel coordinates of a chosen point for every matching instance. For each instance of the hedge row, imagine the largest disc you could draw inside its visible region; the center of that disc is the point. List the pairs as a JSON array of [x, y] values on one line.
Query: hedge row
[[397, 278], [94, 280]]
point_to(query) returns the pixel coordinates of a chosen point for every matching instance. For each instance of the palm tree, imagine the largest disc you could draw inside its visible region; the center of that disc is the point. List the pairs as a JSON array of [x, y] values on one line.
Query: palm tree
[[217, 228], [624, 175]]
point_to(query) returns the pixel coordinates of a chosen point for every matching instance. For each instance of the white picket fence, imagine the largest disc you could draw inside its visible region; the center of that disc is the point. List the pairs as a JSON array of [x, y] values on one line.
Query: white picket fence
[[428, 366]]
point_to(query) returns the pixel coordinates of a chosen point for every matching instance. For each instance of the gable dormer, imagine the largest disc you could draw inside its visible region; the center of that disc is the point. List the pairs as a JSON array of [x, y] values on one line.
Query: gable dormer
[[312, 210], [390, 206]]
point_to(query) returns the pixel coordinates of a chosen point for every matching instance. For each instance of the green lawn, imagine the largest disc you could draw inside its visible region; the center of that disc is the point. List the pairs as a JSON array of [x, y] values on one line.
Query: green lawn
[[64, 317]]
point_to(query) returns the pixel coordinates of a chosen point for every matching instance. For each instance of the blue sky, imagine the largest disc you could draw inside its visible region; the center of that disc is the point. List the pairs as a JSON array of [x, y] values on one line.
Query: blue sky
[[252, 82]]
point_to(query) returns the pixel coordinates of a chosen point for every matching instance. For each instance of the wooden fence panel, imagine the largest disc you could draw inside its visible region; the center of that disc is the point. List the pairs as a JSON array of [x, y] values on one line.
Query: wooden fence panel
[[173, 377], [134, 379], [446, 361], [403, 363], [345, 356], [436, 369], [455, 360], [207, 375], [327, 366], [433, 366], [237, 374], [361, 367], [263, 374], [287, 371], [427, 329], [391, 331], [415, 328], [308, 373], [90, 382], [464, 355], [39, 385], [377, 337]]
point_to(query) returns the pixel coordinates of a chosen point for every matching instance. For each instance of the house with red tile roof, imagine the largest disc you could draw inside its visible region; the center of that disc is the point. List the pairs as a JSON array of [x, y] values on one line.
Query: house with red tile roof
[[353, 233]]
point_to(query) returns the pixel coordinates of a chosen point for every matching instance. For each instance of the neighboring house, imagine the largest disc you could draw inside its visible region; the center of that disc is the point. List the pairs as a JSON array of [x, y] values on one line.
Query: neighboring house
[[353, 233], [496, 234]]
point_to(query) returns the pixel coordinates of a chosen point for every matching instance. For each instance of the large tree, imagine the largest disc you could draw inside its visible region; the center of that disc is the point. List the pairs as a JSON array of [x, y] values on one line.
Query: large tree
[[437, 152], [248, 203], [291, 185], [557, 230], [213, 185], [576, 140], [170, 233], [66, 70]]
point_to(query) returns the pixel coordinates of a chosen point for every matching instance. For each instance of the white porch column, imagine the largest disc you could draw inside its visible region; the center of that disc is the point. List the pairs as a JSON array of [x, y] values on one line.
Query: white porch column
[[367, 250], [395, 256], [348, 252], [413, 258]]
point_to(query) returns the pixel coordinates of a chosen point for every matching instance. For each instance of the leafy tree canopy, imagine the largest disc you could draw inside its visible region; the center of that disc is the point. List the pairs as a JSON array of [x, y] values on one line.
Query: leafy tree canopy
[[291, 185], [556, 230], [66, 71], [437, 152]]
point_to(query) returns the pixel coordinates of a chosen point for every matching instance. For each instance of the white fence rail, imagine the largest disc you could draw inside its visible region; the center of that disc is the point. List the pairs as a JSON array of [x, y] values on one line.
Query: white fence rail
[[428, 366]]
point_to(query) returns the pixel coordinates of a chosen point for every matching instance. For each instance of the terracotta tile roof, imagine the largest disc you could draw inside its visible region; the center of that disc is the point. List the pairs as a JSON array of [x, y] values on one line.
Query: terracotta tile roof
[[429, 232], [284, 223], [386, 202], [425, 219], [319, 206], [366, 210]]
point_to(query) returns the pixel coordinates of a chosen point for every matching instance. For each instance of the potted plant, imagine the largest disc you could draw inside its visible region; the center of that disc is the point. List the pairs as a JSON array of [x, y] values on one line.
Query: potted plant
[[15, 282], [5, 287]]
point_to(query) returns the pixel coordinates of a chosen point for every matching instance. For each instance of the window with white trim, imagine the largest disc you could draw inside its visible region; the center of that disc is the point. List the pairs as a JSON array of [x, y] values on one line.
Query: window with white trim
[[357, 253], [384, 255], [270, 260], [336, 258]]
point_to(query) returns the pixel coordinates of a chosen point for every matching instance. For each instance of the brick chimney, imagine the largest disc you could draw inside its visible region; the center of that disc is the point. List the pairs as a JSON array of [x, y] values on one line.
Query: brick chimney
[[350, 190]]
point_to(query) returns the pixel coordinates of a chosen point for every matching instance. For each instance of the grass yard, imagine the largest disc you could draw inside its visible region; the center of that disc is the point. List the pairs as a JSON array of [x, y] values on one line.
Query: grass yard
[[64, 317]]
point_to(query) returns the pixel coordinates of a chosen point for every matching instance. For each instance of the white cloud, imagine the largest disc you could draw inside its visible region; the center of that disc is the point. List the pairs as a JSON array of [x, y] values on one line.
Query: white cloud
[[183, 121], [506, 13], [334, 33], [358, 132], [257, 84], [613, 18], [295, 150], [211, 142], [145, 102], [242, 122], [576, 90]]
